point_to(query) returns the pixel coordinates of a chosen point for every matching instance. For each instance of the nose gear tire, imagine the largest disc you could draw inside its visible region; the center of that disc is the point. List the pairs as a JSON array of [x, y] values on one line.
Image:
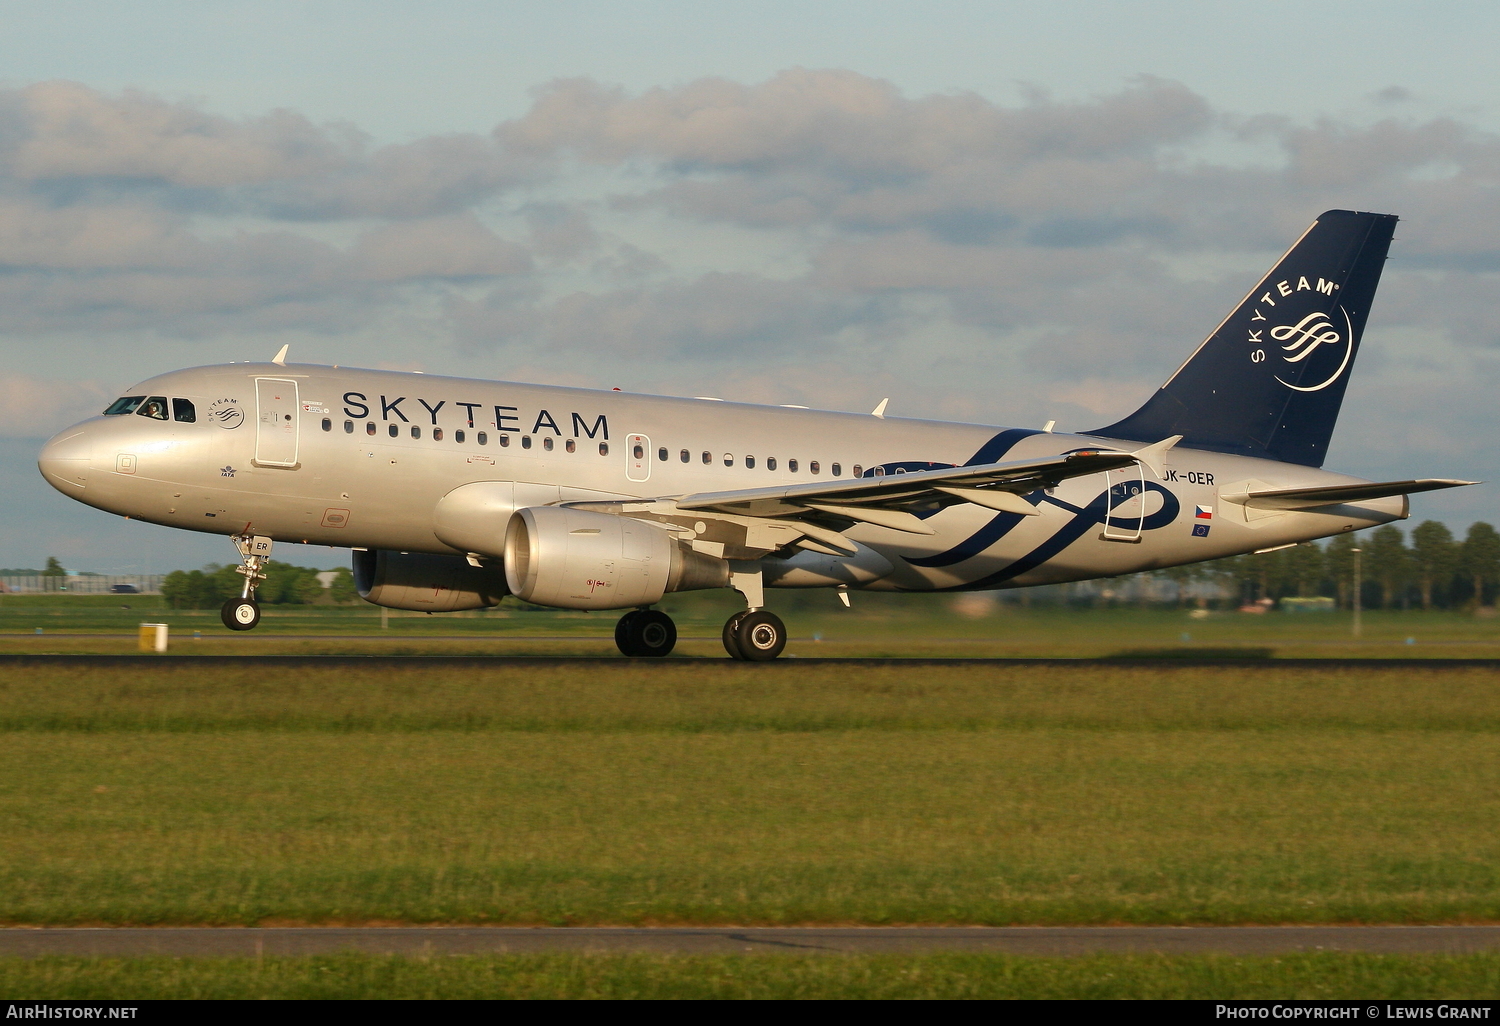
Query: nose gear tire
[[240, 614]]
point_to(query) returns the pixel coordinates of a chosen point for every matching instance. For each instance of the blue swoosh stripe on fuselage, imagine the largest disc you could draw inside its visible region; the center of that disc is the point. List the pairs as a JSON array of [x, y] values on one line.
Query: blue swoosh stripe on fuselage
[[1002, 524], [998, 527], [1094, 513]]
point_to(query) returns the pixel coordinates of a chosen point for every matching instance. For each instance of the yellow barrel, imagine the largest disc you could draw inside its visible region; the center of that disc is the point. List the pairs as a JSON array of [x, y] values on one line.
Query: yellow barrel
[[153, 637]]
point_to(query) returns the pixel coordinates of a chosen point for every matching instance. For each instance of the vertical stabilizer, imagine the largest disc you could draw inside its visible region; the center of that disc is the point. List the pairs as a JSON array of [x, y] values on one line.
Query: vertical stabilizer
[[1270, 380]]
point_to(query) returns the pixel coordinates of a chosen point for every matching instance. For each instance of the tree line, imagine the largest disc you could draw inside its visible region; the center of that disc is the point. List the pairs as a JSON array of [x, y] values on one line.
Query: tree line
[[1434, 570], [285, 584]]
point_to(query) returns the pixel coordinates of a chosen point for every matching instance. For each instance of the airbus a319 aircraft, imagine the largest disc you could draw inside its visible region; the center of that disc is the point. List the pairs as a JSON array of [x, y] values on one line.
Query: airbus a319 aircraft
[[453, 493]]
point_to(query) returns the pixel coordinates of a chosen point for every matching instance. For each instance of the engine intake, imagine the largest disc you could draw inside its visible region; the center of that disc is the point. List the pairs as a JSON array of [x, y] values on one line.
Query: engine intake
[[419, 580], [578, 559]]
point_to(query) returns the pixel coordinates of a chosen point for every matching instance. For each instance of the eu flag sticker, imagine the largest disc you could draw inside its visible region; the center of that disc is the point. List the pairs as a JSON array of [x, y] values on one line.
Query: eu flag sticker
[[1200, 530]]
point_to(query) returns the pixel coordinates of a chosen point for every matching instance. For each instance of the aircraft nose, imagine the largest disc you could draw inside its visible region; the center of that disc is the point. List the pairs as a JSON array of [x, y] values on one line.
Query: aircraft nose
[[64, 460]]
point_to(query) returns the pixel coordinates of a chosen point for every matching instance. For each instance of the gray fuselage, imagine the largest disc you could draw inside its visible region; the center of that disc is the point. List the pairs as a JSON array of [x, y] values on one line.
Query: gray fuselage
[[362, 459]]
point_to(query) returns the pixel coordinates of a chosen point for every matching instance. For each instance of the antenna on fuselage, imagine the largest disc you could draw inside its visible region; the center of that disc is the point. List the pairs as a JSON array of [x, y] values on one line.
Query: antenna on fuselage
[[280, 358], [879, 411]]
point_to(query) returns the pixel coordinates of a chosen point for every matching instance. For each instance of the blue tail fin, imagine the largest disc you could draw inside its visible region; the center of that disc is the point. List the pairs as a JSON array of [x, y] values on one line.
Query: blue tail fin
[[1270, 379]]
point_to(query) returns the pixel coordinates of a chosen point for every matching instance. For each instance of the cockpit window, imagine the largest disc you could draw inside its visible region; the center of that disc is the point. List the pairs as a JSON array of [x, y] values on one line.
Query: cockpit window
[[154, 407], [183, 412], [126, 404]]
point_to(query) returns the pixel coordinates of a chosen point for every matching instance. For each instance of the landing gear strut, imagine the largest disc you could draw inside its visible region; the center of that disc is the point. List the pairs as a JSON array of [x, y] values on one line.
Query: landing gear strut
[[755, 635], [243, 613], [645, 632]]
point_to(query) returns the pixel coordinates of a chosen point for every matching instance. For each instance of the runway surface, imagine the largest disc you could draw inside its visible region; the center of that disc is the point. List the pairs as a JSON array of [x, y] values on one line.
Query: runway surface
[[1009, 940], [291, 661]]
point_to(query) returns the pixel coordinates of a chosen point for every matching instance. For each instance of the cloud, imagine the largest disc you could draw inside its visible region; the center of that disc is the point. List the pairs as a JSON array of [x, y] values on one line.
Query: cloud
[[988, 261], [40, 407]]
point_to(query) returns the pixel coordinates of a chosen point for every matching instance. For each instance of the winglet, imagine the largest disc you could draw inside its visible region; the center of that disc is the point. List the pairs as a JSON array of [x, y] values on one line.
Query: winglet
[[879, 411], [280, 358], [1151, 455]]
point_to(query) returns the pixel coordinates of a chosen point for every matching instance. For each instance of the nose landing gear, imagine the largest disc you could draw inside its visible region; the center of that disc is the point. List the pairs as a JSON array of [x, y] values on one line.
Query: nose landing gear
[[243, 613], [645, 632]]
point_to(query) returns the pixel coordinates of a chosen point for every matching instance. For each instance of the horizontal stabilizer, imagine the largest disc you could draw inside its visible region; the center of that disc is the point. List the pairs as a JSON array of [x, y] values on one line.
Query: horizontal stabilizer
[[1312, 498]]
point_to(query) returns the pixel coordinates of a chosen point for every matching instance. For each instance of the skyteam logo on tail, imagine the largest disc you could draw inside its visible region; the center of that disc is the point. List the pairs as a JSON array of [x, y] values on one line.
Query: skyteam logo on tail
[[1307, 337], [1317, 341]]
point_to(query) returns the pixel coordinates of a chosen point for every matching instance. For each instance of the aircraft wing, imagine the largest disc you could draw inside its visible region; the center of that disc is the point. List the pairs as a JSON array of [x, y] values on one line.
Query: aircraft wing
[[1002, 483], [752, 521], [1312, 498]]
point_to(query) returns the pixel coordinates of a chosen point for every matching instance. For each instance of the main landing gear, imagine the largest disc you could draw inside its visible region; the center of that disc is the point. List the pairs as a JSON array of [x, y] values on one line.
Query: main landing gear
[[754, 635], [645, 632], [243, 613]]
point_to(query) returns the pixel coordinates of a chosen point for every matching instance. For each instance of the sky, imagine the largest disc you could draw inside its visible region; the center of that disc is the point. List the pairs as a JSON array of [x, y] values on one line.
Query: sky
[[997, 213]]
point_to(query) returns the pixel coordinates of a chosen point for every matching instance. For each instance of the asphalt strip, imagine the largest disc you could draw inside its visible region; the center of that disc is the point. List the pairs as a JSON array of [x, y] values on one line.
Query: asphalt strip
[[223, 942]]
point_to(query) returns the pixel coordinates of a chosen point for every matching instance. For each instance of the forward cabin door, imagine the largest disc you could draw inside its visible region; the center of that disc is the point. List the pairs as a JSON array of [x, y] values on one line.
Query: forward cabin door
[[277, 422]]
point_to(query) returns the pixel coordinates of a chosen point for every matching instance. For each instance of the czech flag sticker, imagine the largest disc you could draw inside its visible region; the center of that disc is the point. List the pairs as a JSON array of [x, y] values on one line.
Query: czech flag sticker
[[1204, 513]]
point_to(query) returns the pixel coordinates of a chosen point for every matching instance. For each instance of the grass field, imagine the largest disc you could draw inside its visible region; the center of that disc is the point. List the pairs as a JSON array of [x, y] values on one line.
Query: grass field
[[694, 792], [1310, 976], [879, 625]]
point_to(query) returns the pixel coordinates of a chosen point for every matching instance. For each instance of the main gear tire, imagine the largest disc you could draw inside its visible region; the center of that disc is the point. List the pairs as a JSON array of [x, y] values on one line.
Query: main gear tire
[[240, 614], [645, 632], [624, 635], [761, 636], [731, 634]]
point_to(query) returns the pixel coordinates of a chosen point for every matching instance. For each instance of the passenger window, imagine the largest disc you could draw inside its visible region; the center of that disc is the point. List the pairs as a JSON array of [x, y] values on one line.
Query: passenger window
[[639, 451], [155, 408], [812, 467], [348, 427], [857, 472], [458, 436], [750, 462], [416, 432], [526, 441], [661, 454], [437, 434], [791, 465], [327, 424], [124, 405], [728, 460], [770, 462], [183, 412], [685, 456], [603, 448], [708, 458], [880, 472], [570, 445], [547, 443], [838, 471], [370, 428], [482, 438], [393, 431]]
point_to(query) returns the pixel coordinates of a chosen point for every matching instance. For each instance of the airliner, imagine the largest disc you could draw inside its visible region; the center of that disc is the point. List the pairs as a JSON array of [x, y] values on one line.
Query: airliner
[[453, 493]]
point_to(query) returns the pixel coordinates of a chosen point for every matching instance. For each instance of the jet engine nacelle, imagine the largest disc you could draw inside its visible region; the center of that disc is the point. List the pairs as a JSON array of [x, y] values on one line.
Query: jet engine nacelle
[[578, 559], [432, 584]]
